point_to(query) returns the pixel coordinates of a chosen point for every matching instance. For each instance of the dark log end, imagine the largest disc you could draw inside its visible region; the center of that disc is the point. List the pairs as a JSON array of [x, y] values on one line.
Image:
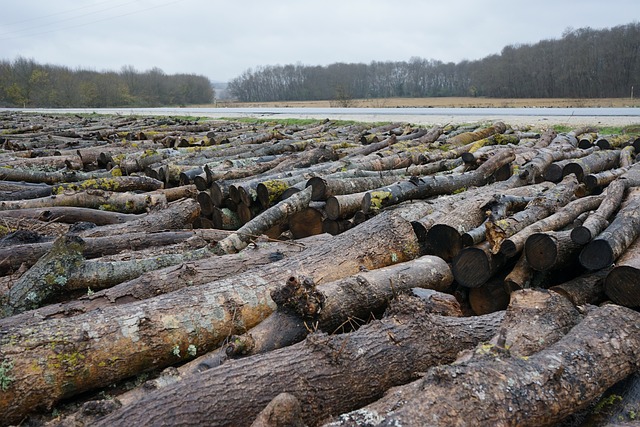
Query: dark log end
[[318, 188], [573, 168], [622, 286], [489, 298], [581, 235], [590, 182], [596, 255], [332, 208], [508, 248], [541, 251], [553, 173], [420, 230], [444, 241], [603, 144], [471, 267]]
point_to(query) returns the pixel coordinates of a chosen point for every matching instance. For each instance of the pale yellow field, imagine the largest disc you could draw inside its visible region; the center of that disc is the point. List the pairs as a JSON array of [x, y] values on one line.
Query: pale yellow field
[[448, 102]]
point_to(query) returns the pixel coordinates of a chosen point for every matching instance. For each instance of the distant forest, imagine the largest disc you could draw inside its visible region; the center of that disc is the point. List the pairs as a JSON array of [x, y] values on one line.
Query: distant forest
[[584, 63], [25, 83]]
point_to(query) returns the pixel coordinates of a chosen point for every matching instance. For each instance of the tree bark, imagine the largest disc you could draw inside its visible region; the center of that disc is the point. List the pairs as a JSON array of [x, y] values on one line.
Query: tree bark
[[467, 137], [539, 390], [71, 215], [434, 185], [585, 289], [594, 162], [551, 250], [323, 372], [116, 183], [622, 284], [602, 251], [103, 346], [95, 199], [267, 219]]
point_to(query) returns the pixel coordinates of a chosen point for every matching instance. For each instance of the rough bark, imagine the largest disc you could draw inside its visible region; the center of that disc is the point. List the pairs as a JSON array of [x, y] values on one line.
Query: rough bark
[[541, 389], [534, 170], [324, 372], [103, 346], [622, 284], [343, 206], [537, 209], [598, 221], [585, 289], [163, 281], [602, 251], [95, 199], [434, 185], [267, 219], [467, 137], [322, 188], [563, 217], [174, 216], [594, 162], [71, 215], [116, 183]]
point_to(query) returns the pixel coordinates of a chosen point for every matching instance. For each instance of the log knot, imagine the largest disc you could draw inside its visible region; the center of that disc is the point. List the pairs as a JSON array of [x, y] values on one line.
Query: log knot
[[299, 296]]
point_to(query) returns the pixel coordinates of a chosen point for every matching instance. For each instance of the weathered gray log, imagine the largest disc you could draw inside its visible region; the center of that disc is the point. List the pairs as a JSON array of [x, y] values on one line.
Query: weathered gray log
[[71, 215], [434, 185], [598, 221], [159, 332], [563, 217], [323, 368], [115, 183], [602, 251], [622, 284], [594, 162], [267, 219], [500, 391]]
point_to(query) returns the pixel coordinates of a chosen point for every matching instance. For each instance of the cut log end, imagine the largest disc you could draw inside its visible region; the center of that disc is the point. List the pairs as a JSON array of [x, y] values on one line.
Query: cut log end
[[508, 248], [596, 255], [471, 267], [541, 251], [621, 286], [581, 235], [444, 241]]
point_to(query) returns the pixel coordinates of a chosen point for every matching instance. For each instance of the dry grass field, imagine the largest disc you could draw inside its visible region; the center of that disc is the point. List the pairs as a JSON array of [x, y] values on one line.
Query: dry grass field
[[446, 102]]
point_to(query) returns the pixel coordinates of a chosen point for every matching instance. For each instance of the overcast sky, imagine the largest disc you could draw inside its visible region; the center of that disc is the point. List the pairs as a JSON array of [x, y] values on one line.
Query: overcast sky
[[221, 39]]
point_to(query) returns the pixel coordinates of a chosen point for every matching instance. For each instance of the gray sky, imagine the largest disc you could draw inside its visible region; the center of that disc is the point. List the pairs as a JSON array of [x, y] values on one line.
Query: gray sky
[[221, 39]]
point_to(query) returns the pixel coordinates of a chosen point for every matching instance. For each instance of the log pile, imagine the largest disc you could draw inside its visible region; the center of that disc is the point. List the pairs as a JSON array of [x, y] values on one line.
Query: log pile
[[189, 272]]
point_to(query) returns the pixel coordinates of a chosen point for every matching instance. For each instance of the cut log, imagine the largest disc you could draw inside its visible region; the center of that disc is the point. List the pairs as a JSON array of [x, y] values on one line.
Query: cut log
[[267, 219], [585, 289], [475, 265], [537, 209], [95, 199], [343, 206], [563, 217], [467, 137], [434, 185], [551, 250], [598, 221], [520, 276], [602, 251], [116, 183], [500, 390], [71, 215], [169, 279], [594, 162], [622, 284], [158, 332], [322, 188], [323, 372]]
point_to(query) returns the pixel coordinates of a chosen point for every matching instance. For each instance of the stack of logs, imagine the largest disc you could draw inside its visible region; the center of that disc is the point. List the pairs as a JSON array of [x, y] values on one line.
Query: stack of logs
[[256, 273]]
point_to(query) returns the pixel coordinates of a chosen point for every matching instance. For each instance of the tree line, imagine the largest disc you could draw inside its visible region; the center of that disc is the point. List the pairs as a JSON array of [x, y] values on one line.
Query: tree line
[[584, 63], [25, 83]]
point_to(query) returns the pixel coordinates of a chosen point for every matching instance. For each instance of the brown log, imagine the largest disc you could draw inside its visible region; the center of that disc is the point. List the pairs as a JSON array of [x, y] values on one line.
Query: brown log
[[257, 226], [622, 284], [585, 289], [467, 137], [165, 280], [283, 411], [475, 265], [499, 390], [434, 185], [489, 297], [174, 216], [602, 251], [537, 209], [520, 276], [551, 250], [563, 217], [158, 332], [325, 369], [307, 222], [71, 215], [598, 221]]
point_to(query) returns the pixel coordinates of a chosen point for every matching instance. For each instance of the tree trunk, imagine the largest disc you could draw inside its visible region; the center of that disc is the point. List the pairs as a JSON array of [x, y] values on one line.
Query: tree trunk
[[585, 289], [175, 216], [594, 162], [535, 391], [163, 281], [103, 346], [551, 250], [475, 265], [434, 185], [602, 251], [343, 206], [467, 137], [95, 199], [563, 217], [116, 183], [267, 219], [323, 372], [71, 215], [622, 284]]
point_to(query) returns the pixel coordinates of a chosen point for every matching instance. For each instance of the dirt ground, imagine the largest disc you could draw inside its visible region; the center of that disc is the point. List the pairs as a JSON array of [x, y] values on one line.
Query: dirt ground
[[449, 102]]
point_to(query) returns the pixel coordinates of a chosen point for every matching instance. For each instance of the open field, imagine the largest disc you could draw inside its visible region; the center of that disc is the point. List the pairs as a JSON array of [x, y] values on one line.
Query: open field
[[447, 102]]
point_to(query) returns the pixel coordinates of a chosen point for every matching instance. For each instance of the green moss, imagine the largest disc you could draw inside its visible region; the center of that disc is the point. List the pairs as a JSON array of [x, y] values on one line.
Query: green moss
[[378, 198], [116, 171], [275, 188], [5, 374], [605, 402]]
